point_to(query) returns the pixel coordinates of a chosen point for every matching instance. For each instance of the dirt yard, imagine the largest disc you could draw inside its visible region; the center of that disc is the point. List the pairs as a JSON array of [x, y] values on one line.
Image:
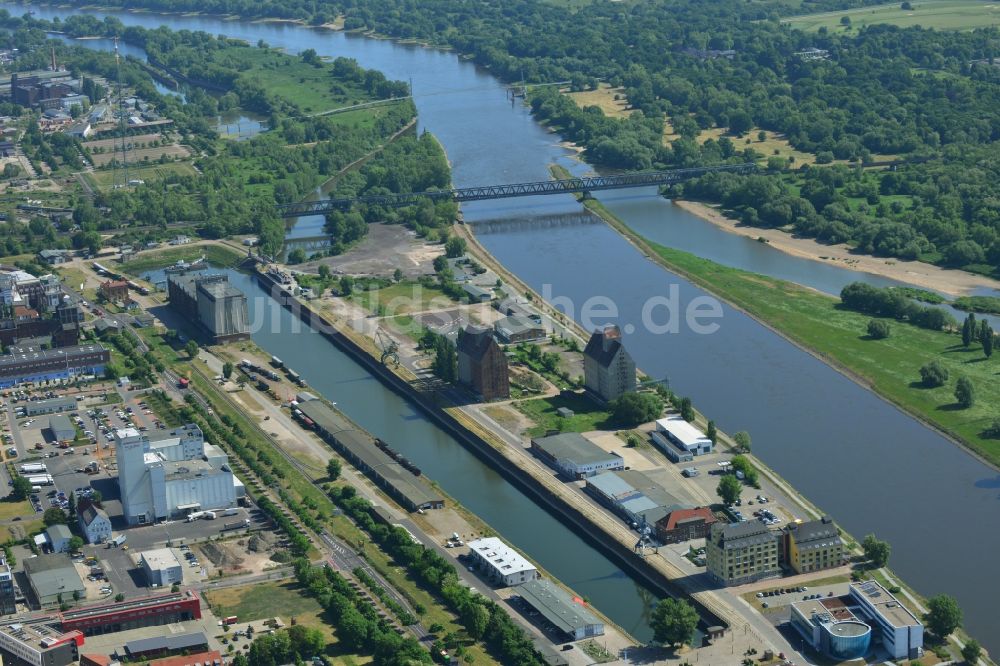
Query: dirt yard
[[140, 155], [383, 250], [604, 98]]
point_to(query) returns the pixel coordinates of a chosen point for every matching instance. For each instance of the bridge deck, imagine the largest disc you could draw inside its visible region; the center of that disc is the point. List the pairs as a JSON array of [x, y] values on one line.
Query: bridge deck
[[542, 187]]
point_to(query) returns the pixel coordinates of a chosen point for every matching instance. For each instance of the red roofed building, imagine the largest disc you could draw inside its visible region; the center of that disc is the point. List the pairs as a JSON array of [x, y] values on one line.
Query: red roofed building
[[132, 614], [114, 291], [95, 660], [684, 524], [210, 658]]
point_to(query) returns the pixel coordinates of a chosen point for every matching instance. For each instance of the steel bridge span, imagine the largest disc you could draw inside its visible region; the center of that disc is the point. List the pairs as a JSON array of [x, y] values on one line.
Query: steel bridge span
[[542, 187]]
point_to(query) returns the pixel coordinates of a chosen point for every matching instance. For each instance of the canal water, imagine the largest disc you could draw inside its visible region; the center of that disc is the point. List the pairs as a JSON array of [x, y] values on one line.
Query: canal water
[[872, 467]]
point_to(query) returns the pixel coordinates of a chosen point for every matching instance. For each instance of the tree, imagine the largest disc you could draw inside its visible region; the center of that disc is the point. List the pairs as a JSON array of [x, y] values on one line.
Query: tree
[[397, 275], [72, 500], [633, 408], [933, 374], [712, 433], [969, 330], [11, 170], [965, 392], [227, 369], [324, 272], [346, 285], [75, 544], [674, 622], [742, 439], [54, 516], [119, 598], [333, 469], [191, 347], [877, 552], [21, 489], [475, 617], [971, 652], [455, 247], [878, 329], [943, 615], [729, 489], [986, 337], [687, 410]]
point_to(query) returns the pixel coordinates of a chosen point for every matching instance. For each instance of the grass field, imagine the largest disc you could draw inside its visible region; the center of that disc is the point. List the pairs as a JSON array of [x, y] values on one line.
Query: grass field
[[773, 145], [587, 415], [214, 254], [138, 155], [104, 178], [10, 509], [285, 600], [892, 365], [938, 14], [403, 298], [603, 98]]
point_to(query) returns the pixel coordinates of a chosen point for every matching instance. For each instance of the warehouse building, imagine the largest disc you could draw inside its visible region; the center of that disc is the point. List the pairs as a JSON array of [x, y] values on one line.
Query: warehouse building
[[169, 473], [27, 364], [162, 646], [482, 364], [133, 614], [501, 564], [94, 522], [61, 428], [58, 537], [36, 643], [680, 440], [608, 369], [633, 496], [402, 482], [566, 614], [53, 579], [575, 456], [161, 567], [681, 525], [49, 406], [219, 309]]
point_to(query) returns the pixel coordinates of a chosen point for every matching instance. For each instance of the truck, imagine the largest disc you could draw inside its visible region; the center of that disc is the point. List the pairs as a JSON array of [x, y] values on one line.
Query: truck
[[183, 382], [276, 362], [232, 619], [40, 479], [195, 515], [118, 540], [208, 515], [231, 512], [33, 468], [92, 467], [236, 525]]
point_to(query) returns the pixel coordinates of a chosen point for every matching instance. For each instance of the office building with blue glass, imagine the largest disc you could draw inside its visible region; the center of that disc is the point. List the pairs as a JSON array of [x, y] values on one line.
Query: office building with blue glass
[[865, 619]]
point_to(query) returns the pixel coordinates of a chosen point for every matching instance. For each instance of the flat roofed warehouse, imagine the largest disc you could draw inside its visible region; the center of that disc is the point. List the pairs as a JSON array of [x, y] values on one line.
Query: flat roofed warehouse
[[36, 365], [501, 563], [410, 490], [568, 614], [574, 455], [53, 578]]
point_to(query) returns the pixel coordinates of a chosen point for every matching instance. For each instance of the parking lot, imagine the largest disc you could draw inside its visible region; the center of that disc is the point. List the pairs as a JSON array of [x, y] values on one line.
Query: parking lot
[[94, 446]]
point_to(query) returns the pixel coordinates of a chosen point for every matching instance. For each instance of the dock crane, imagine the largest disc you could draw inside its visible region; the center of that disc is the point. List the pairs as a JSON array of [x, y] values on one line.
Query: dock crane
[[645, 539], [388, 347]]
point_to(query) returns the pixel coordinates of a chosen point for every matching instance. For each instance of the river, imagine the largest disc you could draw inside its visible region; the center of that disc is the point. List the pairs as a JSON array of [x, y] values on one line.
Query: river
[[872, 467]]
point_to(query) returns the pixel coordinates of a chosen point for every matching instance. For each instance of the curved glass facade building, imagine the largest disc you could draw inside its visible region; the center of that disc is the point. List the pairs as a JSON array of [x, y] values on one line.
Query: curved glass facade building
[[847, 640]]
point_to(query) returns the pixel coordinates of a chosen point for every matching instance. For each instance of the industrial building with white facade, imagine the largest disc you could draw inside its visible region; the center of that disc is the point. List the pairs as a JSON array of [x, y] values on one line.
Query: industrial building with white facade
[[161, 567], [680, 440], [500, 563], [575, 456], [169, 473]]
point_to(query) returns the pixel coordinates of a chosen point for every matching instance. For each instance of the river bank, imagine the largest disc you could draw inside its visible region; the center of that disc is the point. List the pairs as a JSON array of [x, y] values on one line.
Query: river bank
[[891, 380], [926, 276]]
